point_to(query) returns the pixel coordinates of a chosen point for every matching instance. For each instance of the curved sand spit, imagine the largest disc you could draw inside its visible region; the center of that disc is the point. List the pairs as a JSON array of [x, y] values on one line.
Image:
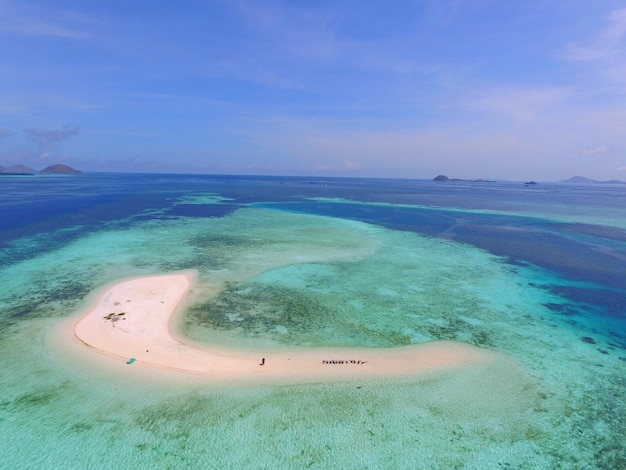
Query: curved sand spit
[[133, 319]]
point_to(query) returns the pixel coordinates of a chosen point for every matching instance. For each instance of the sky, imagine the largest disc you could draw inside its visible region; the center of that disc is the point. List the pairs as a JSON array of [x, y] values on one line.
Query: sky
[[499, 89]]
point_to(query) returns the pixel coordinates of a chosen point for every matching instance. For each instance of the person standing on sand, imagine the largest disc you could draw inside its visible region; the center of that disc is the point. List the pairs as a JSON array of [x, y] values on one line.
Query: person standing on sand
[[262, 361]]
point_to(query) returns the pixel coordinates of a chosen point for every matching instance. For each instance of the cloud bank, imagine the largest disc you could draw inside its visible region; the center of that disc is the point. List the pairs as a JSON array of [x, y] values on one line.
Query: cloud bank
[[4, 133], [592, 152], [46, 138]]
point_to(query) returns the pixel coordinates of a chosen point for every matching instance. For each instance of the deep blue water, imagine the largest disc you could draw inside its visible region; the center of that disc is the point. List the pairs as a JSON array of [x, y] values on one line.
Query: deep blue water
[[575, 231]]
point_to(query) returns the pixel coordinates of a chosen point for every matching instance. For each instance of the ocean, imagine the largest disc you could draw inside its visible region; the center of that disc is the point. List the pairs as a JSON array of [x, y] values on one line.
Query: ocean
[[536, 273]]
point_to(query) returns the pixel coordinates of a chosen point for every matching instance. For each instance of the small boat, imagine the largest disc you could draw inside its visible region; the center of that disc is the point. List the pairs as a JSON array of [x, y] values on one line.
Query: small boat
[[131, 360]]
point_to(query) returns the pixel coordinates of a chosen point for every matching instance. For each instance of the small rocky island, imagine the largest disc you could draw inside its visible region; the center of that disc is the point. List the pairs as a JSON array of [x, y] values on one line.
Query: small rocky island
[[446, 179]]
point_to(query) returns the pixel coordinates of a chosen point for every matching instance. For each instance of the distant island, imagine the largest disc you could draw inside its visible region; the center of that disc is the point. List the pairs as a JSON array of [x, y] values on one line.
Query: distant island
[[584, 180], [56, 169], [60, 169], [445, 178], [17, 170]]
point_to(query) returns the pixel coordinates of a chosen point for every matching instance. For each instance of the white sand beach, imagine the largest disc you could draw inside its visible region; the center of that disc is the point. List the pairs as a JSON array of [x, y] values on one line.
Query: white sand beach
[[134, 319]]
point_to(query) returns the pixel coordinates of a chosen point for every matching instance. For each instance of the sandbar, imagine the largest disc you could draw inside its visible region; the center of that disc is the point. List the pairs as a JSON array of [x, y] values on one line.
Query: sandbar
[[134, 319]]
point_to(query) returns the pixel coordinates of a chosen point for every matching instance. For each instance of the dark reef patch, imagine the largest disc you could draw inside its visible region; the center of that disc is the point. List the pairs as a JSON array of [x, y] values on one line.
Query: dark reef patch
[[607, 301], [35, 398], [218, 241], [256, 309], [562, 309], [197, 261], [305, 316], [457, 329], [40, 300]]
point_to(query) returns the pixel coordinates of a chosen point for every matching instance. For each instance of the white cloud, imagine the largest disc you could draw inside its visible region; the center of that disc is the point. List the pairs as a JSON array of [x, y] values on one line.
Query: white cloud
[[518, 103], [302, 31], [604, 56], [330, 168], [25, 19], [606, 43], [592, 152], [412, 152]]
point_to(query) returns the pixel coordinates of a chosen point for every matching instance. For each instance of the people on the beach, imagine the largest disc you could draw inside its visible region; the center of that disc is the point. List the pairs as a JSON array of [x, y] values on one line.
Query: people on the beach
[[262, 361], [352, 361]]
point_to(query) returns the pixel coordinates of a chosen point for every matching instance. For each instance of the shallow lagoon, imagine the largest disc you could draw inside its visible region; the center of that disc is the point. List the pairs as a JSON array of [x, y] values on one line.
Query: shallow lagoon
[[531, 272]]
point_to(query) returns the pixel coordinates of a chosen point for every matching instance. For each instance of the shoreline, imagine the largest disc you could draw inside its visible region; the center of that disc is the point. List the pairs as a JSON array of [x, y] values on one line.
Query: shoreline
[[135, 319]]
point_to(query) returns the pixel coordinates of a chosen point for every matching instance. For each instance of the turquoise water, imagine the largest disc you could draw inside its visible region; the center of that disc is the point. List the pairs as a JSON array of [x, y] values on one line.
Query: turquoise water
[[297, 264]]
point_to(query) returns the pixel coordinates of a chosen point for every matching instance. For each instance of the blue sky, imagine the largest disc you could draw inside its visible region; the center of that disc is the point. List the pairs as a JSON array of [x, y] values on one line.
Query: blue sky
[[519, 89]]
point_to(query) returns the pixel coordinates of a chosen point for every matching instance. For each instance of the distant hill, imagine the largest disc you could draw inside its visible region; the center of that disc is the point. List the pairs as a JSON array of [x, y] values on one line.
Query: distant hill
[[60, 169], [579, 179], [57, 169], [18, 170], [584, 180]]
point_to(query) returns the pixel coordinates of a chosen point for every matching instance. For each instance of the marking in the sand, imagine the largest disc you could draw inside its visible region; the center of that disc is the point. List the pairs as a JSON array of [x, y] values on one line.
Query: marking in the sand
[[351, 361], [115, 317]]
